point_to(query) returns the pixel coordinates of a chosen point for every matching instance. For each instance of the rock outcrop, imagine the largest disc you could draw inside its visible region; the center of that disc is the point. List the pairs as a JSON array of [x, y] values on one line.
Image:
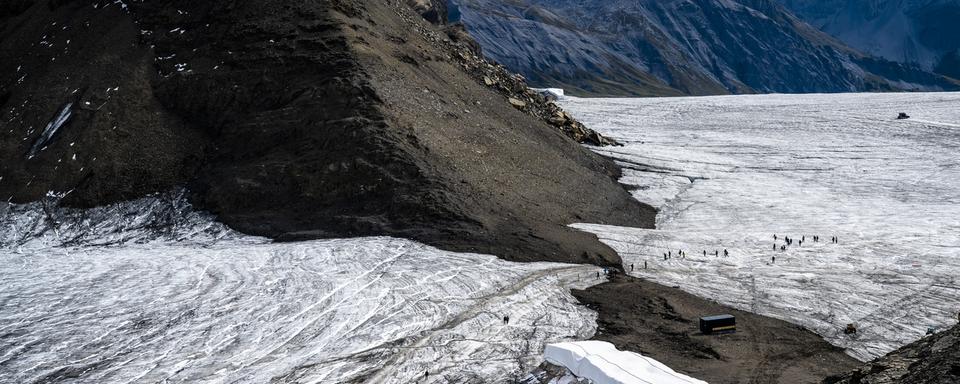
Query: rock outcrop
[[299, 120], [672, 47], [935, 359]]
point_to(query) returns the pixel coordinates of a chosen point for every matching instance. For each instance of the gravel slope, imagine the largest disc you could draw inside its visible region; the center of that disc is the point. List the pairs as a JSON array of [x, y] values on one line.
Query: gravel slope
[[298, 120]]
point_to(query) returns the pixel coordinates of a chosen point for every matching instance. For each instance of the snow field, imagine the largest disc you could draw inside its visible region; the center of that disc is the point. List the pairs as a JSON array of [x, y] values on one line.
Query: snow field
[[730, 172], [218, 307]]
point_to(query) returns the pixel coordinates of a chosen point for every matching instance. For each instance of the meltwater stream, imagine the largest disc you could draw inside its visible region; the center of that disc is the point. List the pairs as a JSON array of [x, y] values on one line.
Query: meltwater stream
[[731, 172]]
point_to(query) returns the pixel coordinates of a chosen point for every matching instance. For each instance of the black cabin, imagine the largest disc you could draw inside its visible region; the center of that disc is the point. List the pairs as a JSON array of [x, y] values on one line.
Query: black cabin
[[718, 324]]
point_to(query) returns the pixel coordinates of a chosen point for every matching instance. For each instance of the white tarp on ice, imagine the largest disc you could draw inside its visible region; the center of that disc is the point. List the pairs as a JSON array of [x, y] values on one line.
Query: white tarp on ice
[[603, 363]]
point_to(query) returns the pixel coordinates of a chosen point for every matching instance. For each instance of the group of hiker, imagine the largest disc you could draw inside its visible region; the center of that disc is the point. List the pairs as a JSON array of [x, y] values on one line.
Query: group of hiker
[[683, 255], [644, 266], [787, 241]]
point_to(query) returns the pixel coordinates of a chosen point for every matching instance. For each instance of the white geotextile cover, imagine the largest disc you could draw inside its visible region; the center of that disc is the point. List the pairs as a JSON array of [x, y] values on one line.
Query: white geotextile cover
[[603, 363]]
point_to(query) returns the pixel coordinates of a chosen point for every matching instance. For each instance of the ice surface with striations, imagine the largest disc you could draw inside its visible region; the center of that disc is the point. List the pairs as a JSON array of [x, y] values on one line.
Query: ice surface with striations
[[150, 291], [729, 173]]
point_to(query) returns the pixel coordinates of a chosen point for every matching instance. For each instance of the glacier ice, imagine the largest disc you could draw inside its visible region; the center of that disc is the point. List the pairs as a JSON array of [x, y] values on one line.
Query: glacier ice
[[151, 291], [730, 172]]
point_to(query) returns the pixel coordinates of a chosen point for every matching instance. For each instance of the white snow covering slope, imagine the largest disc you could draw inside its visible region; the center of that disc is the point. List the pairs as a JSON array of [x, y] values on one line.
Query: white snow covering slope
[[602, 363], [168, 296], [730, 172]]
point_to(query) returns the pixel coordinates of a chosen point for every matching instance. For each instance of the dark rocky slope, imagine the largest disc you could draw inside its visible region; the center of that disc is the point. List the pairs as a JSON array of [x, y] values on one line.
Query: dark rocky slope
[[669, 47], [298, 120], [935, 359]]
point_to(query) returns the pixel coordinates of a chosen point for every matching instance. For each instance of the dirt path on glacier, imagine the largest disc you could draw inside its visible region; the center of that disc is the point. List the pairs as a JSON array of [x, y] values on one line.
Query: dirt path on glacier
[[662, 322]]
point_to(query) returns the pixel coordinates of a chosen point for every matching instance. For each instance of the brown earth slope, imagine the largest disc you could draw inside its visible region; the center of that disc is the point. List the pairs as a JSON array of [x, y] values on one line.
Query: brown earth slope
[[297, 120], [662, 323]]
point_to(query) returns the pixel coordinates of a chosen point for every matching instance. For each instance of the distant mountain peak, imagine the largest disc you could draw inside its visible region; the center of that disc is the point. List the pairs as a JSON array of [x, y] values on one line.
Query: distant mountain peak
[[920, 32], [697, 47]]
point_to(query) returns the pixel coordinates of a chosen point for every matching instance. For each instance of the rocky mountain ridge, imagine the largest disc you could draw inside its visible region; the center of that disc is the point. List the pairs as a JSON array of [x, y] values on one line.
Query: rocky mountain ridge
[[920, 32], [673, 47]]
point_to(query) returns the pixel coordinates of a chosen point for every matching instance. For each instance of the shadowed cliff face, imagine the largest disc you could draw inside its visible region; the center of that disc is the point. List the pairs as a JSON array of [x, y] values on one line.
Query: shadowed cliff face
[[117, 140], [921, 32], [678, 46], [298, 120]]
